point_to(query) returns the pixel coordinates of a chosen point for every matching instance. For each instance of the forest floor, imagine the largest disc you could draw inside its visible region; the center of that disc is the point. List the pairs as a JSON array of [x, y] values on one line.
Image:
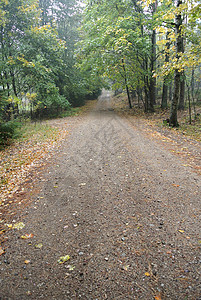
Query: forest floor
[[112, 213]]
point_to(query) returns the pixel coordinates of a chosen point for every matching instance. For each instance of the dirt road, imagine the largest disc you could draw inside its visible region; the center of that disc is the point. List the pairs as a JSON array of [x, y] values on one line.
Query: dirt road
[[122, 207]]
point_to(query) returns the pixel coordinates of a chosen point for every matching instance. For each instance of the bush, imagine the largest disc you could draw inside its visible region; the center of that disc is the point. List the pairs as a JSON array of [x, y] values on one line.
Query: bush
[[8, 131]]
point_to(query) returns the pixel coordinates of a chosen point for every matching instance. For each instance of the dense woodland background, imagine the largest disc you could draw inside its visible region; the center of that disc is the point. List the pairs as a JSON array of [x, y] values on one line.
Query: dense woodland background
[[55, 54]]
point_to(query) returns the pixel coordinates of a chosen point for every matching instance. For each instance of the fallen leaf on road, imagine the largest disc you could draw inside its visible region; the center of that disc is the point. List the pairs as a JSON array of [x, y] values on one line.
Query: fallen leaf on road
[[126, 267], [71, 268], [1, 251], [19, 225], [63, 259], [182, 231], [147, 274], [176, 185], [27, 236], [28, 293], [9, 225], [158, 297], [39, 246], [27, 261]]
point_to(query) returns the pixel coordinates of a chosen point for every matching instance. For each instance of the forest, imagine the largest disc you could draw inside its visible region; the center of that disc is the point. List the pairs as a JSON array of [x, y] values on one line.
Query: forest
[[55, 54]]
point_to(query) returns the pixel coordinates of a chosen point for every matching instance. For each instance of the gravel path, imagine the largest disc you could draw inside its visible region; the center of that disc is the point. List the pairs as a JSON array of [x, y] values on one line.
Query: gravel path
[[125, 210]]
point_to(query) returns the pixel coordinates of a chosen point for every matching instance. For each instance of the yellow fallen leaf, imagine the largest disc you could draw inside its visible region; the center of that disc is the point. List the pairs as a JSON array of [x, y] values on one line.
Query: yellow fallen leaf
[[147, 274], [27, 262], [158, 297], [182, 231], [63, 259], [1, 251], [39, 246], [27, 236], [28, 293], [19, 225], [126, 267], [9, 225]]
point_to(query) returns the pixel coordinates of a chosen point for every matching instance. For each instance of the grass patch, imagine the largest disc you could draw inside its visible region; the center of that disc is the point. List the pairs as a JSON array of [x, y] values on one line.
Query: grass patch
[[38, 131], [192, 130], [69, 113]]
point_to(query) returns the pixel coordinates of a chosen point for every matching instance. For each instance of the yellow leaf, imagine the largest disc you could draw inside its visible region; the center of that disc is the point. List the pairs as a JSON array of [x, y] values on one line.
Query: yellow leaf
[[27, 236], [182, 231], [126, 267], [147, 274], [39, 246], [1, 251], [63, 259], [9, 225], [27, 261], [19, 225]]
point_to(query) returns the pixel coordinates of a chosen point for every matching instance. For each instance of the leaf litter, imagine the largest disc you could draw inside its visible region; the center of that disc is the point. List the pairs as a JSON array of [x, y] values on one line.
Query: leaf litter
[[17, 160], [23, 157]]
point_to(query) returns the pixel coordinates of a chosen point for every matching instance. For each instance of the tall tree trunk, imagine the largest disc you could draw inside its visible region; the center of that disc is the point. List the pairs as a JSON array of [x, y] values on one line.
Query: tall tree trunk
[[152, 83], [146, 85], [164, 94], [192, 92], [182, 92], [174, 104], [182, 85], [165, 81], [170, 91], [126, 84]]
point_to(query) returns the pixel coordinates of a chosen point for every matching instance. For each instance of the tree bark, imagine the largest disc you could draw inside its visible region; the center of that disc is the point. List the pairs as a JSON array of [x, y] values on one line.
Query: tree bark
[[182, 92], [174, 104], [165, 81], [152, 83], [126, 84], [165, 94], [182, 83]]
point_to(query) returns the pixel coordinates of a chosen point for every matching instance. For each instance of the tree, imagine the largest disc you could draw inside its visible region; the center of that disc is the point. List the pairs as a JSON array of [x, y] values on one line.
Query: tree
[[119, 40]]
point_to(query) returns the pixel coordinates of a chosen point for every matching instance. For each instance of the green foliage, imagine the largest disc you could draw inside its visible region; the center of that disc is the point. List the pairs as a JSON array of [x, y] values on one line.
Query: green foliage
[[8, 131], [37, 58]]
